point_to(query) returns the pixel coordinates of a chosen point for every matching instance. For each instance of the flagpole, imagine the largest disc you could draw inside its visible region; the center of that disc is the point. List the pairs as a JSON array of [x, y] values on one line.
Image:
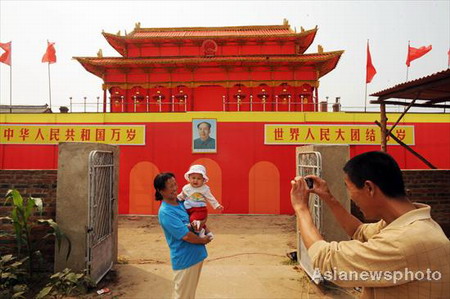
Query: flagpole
[[6, 59], [365, 99], [49, 84], [407, 66], [407, 71], [10, 88], [49, 87], [10, 79], [365, 92], [448, 53]]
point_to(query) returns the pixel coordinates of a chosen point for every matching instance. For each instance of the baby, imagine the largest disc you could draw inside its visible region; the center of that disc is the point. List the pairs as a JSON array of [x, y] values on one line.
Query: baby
[[195, 195]]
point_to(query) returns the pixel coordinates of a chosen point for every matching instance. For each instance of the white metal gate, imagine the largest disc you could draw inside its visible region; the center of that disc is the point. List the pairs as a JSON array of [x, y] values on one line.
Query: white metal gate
[[100, 241], [310, 163]]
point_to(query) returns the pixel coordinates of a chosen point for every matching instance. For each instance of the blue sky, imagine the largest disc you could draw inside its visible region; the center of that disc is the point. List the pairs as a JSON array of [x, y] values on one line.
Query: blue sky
[[76, 26]]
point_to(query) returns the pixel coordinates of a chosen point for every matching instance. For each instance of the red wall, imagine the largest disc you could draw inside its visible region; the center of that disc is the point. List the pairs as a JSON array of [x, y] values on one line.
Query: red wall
[[213, 73], [240, 146], [225, 48]]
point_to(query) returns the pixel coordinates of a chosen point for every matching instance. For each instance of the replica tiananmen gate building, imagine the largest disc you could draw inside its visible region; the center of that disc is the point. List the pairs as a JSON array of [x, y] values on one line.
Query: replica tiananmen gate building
[[254, 68], [255, 87]]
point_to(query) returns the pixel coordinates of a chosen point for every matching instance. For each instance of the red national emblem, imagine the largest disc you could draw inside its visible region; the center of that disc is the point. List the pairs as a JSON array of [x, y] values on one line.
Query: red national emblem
[[209, 48]]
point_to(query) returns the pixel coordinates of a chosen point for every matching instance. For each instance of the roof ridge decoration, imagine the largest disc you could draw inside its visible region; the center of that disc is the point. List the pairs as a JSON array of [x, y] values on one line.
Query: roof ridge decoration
[[131, 35], [285, 26], [206, 28]]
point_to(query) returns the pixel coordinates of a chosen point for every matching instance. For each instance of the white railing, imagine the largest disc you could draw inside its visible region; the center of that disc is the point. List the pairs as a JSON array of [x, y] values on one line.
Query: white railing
[[136, 105], [236, 104], [264, 104]]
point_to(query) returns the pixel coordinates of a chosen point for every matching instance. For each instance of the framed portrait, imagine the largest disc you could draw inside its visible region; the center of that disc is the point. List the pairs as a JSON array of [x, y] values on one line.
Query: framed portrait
[[204, 135]]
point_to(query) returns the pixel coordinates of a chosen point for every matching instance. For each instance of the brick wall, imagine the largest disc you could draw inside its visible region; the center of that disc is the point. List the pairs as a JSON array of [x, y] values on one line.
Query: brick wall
[[34, 183], [431, 187]]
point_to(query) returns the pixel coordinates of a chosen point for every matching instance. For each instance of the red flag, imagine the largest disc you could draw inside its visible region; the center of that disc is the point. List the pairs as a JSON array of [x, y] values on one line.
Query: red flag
[[50, 54], [370, 69], [414, 53], [6, 57]]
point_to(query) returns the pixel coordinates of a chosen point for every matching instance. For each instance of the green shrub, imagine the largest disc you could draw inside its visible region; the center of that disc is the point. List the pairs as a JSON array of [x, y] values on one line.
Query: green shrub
[[13, 277], [23, 221], [66, 283]]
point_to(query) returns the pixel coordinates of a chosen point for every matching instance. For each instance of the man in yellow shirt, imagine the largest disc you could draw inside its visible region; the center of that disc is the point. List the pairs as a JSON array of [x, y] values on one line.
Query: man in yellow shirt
[[404, 255]]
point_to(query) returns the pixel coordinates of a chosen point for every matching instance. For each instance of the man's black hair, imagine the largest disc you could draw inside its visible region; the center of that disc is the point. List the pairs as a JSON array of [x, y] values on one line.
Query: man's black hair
[[378, 167], [160, 183], [204, 122]]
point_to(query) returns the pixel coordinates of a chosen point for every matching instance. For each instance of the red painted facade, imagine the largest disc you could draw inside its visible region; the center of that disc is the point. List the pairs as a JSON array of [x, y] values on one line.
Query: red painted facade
[[234, 171]]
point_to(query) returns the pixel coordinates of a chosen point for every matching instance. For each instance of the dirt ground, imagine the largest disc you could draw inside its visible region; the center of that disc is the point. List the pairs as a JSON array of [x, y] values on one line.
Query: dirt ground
[[247, 259]]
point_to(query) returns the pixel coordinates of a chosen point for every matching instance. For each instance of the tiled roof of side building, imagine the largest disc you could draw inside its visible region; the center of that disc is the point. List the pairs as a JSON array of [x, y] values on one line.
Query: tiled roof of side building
[[429, 91], [25, 109], [442, 76]]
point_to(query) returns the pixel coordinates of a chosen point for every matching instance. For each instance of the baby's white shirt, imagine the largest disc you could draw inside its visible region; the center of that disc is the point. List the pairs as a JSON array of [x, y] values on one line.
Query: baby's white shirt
[[197, 197]]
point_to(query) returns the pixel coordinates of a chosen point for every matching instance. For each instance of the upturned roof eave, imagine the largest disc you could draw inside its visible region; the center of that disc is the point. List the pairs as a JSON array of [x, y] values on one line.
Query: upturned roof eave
[[324, 65], [118, 44], [328, 66], [263, 58]]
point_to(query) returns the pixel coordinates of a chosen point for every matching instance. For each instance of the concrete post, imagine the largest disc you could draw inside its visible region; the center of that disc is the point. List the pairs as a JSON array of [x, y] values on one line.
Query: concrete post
[[72, 201]]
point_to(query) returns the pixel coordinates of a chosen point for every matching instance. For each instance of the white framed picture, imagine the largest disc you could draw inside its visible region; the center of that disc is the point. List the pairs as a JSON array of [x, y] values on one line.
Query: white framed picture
[[204, 135]]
